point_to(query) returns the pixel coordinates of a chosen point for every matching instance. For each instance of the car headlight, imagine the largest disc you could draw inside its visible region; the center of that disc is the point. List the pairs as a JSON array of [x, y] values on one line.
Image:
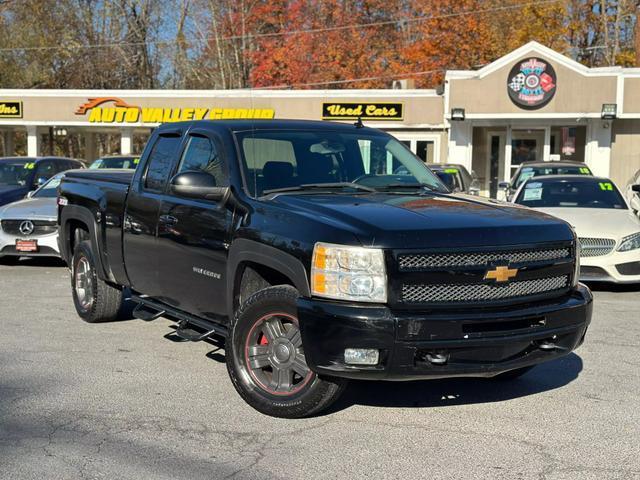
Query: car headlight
[[630, 242], [576, 270], [348, 273]]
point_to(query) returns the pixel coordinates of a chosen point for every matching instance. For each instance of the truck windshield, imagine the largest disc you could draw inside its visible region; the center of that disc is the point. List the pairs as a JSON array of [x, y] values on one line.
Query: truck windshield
[[591, 193], [295, 159]]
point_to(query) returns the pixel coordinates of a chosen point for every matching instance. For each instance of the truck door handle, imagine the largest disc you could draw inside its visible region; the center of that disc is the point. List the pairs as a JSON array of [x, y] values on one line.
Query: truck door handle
[[168, 219]]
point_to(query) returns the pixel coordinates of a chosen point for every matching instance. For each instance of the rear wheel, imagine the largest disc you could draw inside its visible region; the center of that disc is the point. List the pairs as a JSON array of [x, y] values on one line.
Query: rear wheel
[[266, 362], [94, 299]]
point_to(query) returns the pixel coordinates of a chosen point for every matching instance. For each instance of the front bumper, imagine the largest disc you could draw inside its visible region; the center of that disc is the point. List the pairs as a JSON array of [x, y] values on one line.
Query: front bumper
[[616, 267], [47, 245], [476, 343]]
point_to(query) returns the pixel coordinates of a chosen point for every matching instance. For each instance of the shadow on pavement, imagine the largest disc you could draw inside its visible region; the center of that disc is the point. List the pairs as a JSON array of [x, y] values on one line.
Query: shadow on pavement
[[40, 262], [459, 391], [613, 287]]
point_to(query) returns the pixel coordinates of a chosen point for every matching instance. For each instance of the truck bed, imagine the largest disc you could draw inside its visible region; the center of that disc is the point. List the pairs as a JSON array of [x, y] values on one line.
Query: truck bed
[[121, 176]]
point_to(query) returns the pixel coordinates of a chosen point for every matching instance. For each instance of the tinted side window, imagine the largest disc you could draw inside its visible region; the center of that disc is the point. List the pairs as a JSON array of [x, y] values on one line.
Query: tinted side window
[[160, 162], [201, 155], [45, 169]]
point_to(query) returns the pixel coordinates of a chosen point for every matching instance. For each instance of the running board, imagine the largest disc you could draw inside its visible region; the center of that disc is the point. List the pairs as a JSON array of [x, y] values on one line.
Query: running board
[[185, 320], [143, 312]]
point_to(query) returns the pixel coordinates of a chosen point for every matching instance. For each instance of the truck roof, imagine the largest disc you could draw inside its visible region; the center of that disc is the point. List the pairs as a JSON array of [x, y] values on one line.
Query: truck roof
[[270, 124]]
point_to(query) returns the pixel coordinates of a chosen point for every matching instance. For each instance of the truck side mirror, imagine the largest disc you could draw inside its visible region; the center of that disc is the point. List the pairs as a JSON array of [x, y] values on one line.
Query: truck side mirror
[[636, 187], [200, 185], [504, 185]]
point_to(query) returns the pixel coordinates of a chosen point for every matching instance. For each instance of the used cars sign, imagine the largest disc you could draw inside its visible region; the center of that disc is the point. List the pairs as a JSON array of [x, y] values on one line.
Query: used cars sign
[[364, 111]]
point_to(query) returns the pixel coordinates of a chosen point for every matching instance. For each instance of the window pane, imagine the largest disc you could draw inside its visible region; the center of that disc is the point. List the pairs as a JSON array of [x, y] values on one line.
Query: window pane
[[201, 155], [160, 162], [424, 150]]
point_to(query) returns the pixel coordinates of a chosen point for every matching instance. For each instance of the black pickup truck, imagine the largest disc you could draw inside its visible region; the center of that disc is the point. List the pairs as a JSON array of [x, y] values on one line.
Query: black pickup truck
[[322, 252]]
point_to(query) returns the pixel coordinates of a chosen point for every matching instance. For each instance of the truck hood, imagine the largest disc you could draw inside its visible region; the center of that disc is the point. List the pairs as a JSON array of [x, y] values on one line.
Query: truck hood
[[417, 221], [598, 222], [31, 208]]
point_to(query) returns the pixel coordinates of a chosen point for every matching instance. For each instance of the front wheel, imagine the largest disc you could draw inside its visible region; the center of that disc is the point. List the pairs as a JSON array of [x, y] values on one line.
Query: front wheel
[[266, 362], [94, 299]]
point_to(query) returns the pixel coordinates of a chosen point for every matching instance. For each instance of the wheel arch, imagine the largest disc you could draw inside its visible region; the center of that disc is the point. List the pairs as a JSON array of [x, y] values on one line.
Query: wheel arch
[[272, 266], [72, 218]]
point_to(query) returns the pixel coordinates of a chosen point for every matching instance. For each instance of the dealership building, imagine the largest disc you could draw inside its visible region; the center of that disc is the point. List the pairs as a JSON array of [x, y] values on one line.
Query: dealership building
[[532, 104]]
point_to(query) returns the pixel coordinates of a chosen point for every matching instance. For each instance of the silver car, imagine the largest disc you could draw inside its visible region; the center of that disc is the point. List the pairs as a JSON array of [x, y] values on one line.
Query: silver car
[[29, 227]]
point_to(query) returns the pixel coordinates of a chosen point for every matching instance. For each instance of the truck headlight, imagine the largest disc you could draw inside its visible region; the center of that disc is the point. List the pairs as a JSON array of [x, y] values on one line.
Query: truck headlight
[[630, 242], [348, 273], [576, 270]]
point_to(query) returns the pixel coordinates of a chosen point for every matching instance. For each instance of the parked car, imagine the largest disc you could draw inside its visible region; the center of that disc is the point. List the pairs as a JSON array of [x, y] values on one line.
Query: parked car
[[607, 228], [456, 177], [278, 236], [29, 227], [116, 161], [631, 193], [529, 170], [21, 175]]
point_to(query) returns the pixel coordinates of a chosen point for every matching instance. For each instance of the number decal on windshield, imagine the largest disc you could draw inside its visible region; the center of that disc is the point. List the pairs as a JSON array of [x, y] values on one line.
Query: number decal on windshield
[[606, 186]]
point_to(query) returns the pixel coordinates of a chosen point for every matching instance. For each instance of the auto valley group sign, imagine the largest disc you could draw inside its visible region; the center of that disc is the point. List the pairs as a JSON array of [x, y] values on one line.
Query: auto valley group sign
[[531, 83]]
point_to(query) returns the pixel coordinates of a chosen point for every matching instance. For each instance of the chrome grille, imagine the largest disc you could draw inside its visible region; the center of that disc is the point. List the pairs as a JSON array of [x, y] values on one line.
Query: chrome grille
[[479, 292], [41, 227], [435, 260], [596, 247]]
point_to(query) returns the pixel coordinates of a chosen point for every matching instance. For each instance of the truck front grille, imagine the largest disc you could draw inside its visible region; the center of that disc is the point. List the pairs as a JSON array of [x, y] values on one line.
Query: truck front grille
[[40, 227], [596, 247], [424, 261], [480, 292]]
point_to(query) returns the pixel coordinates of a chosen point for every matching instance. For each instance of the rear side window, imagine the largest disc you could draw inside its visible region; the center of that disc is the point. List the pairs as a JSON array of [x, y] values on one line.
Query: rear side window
[[160, 162], [202, 155]]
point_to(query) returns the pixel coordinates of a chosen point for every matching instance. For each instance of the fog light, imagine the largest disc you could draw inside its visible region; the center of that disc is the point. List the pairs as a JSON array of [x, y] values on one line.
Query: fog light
[[361, 356]]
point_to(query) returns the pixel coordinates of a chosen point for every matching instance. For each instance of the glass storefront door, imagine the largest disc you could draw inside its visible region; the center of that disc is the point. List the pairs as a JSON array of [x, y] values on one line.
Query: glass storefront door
[[526, 146], [424, 145]]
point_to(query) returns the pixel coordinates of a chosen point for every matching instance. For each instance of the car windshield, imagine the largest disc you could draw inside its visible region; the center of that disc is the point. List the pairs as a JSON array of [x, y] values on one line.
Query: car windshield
[[582, 193], [451, 177], [116, 162], [49, 189], [15, 172], [529, 172], [319, 160]]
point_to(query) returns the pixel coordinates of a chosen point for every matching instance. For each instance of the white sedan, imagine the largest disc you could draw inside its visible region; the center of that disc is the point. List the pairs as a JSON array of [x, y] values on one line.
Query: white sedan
[[29, 227], [609, 231]]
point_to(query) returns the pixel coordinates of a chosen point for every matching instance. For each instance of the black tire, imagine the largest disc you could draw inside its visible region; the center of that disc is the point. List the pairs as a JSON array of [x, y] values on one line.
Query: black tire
[[275, 382], [512, 374], [95, 300], [9, 260]]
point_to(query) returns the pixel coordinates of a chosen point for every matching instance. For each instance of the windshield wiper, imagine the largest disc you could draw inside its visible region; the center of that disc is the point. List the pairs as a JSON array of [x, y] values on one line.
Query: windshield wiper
[[319, 186]]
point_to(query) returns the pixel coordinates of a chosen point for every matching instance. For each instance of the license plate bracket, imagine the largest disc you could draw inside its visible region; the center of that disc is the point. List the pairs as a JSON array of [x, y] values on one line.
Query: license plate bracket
[[28, 246]]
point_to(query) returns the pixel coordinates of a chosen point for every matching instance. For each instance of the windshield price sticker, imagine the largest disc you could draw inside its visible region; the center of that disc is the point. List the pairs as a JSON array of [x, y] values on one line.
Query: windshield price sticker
[[29, 166], [585, 170], [451, 170], [606, 186], [532, 194], [526, 175], [533, 185]]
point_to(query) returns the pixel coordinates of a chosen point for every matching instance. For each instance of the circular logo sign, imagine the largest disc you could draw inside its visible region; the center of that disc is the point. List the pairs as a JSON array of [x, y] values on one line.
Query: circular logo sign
[[531, 83], [26, 227]]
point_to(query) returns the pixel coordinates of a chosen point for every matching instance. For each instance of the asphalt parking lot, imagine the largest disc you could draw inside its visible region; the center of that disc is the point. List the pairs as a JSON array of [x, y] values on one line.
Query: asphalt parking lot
[[122, 401]]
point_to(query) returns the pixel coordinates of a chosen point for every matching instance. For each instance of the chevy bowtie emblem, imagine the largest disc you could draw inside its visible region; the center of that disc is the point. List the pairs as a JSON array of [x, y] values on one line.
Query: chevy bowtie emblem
[[501, 274]]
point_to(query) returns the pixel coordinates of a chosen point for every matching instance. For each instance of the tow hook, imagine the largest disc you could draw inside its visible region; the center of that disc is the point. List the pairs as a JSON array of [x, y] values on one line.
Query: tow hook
[[440, 357], [549, 344]]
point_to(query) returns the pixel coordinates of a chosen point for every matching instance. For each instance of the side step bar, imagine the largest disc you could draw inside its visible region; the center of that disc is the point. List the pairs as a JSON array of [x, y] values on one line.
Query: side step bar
[[148, 310]]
